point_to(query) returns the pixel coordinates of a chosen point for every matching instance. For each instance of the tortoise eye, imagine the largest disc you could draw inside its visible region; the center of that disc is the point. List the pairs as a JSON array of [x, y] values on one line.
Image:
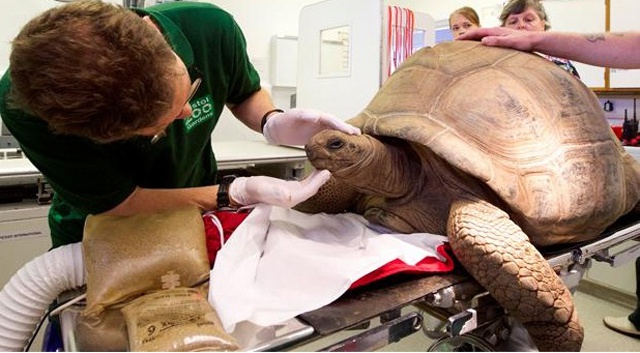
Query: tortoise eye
[[335, 144]]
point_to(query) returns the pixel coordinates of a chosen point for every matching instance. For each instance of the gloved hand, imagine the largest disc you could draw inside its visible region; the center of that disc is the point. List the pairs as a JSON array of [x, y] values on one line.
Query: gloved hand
[[277, 192], [297, 126]]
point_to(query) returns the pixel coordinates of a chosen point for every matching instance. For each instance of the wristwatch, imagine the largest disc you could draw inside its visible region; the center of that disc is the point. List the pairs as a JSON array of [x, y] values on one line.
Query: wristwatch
[[223, 192]]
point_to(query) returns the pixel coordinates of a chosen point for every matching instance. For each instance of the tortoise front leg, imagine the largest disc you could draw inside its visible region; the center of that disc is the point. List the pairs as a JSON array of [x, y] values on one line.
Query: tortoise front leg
[[499, 255]]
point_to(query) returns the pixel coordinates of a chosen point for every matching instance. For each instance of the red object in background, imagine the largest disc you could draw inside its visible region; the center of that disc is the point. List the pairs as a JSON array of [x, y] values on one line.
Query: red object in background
[[617, 129], [634, 142]]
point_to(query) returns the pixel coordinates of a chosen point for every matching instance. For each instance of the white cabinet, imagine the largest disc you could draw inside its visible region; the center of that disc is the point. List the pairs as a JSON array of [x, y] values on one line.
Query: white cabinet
[[24, 235], [284, 61], [361, 52]]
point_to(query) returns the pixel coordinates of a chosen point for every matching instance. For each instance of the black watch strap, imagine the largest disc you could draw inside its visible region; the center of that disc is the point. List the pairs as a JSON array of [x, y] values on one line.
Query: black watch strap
[[223, 192]]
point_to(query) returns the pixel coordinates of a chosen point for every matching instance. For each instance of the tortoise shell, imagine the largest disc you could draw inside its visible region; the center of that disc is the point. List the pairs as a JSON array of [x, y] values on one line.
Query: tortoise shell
[[532, 132]]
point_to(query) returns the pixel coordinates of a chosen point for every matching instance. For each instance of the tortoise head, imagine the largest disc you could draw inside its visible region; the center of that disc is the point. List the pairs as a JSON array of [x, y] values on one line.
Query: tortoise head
[[336, 151]]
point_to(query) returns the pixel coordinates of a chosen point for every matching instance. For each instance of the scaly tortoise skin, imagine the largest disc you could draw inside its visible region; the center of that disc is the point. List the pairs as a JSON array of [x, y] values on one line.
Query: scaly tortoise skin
[[499, 149]]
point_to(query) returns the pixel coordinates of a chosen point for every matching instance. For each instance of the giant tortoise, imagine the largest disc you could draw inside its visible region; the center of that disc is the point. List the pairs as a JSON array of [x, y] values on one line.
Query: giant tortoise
[[499, 149]]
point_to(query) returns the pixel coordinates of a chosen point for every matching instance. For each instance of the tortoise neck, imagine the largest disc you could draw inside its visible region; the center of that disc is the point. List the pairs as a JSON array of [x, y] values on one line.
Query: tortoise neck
[[387, 171]]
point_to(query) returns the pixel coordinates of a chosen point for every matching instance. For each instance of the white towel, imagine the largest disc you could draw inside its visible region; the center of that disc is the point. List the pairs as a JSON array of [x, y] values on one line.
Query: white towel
[[280, 263]]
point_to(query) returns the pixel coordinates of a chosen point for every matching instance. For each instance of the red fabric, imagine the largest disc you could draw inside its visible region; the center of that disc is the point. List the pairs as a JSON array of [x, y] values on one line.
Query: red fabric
[[427, 265], [231, 220]]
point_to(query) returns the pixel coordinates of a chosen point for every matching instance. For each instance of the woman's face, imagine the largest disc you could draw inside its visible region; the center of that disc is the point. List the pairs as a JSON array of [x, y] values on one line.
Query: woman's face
[[460, 25], [528, 20]]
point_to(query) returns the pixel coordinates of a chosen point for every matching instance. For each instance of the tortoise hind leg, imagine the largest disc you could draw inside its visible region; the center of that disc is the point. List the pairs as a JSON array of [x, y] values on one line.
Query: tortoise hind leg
[[499, 256], [332, 197]]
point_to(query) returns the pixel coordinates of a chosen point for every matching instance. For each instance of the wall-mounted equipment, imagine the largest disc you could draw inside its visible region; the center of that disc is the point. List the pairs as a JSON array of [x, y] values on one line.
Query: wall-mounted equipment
[[348, 48]]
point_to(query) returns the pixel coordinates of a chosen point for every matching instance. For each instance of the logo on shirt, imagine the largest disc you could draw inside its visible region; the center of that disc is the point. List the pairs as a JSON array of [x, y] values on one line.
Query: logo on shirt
[[202, 111]]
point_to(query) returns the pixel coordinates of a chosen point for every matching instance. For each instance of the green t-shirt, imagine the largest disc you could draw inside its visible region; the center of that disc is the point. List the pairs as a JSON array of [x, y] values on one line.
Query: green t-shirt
[[90, 178]]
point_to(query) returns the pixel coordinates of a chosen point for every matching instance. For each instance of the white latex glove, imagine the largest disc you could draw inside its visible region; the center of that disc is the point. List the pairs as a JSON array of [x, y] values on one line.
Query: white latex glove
[[297, 126], [277, 192]]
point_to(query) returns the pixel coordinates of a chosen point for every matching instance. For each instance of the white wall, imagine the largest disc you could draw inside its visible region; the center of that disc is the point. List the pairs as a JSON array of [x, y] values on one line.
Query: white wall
[[260, 21], [14, 14], [488, 10]]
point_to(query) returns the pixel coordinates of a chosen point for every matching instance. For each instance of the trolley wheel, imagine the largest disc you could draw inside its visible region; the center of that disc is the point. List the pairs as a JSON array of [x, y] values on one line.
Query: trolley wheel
[[465, 343]]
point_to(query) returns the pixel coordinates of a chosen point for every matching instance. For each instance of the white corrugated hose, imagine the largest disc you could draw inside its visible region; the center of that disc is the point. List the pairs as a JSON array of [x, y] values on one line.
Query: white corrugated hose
[[24, 300]]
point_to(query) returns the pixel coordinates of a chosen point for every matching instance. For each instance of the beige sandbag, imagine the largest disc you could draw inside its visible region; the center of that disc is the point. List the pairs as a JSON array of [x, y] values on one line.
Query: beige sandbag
[[126, 257], [175, 320]]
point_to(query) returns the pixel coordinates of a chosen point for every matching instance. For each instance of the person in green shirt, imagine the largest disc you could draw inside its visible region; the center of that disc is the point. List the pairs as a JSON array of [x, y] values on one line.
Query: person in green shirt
[[617, 50], [115, 107]]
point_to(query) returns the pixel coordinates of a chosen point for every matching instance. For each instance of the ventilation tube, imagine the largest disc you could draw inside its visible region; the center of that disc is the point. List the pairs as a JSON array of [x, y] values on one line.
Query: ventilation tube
[[26, 297]]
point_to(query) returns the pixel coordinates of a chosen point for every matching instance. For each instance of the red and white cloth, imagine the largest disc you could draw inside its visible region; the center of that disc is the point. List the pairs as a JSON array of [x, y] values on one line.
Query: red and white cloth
[[280, 263], [218, 226], [400, 27]]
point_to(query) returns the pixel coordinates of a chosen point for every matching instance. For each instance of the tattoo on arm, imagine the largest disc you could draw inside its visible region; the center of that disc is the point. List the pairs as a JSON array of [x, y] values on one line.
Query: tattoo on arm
[[594, 37]]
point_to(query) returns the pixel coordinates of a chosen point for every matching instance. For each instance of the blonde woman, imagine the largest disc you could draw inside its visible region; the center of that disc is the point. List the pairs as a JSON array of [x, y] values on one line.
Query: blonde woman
[[463, 20]]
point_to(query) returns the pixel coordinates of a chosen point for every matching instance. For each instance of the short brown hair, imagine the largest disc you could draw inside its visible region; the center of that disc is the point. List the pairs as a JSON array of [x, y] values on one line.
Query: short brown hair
[[92, 69], [519, 6], [468, 13]]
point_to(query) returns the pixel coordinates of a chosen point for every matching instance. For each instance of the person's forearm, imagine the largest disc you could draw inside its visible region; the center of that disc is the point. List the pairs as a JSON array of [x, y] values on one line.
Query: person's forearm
[[619, 50], [154, 200], [252, 109]]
